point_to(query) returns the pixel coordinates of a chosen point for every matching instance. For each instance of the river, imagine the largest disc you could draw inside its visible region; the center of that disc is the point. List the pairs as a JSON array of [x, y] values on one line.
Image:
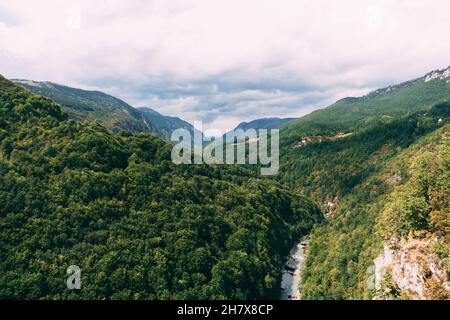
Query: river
[[290, 283]]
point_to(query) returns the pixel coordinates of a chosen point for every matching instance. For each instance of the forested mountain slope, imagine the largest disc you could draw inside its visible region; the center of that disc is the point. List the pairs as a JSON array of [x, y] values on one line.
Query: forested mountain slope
[[139, 227], [327, 167], [167, 124], [415, 223], [352, 114], [338, 156], [112, 113], [401, 206]]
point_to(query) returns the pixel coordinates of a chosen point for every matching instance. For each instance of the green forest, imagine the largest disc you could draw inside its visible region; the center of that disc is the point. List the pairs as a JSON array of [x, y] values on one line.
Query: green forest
[[352, 174], [138, 226], [77, 190], [379, 209]]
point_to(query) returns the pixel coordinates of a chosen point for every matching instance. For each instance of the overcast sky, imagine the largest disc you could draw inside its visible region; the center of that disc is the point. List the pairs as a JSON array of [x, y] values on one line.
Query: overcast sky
[[224, 61]]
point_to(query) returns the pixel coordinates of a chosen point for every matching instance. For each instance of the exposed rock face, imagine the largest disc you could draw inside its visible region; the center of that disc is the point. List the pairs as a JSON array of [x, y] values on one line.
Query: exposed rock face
[[438, 74], [329, 207], [395, 179], [412, 268]]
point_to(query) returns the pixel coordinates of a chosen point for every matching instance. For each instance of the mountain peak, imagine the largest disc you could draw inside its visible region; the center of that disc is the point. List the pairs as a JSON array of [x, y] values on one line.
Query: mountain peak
[[440, 74]]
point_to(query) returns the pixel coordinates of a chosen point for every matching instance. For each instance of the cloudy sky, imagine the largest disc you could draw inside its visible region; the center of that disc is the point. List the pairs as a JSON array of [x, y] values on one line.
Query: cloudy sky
[[224, 61]]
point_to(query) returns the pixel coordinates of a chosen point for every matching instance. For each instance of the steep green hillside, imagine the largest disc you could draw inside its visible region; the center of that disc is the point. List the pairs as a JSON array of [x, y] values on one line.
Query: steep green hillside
[[348, 175], [112, 113], [337, 156], [330, 167], [402, 198], [350, 114], [415, 222], [139, 227]]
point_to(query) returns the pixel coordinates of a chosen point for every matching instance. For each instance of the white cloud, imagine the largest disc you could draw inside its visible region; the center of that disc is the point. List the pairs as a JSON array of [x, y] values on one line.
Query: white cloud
[[285, 50]]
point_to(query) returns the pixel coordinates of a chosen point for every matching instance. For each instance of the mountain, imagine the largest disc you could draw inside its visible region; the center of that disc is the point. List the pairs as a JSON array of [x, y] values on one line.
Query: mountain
[[266, 123], [84, 105], [376, 165], [167, 124], [414, 223], [109, 111], [354, 113], [352, 179], [337, 128], [142, 228], [138, 226]]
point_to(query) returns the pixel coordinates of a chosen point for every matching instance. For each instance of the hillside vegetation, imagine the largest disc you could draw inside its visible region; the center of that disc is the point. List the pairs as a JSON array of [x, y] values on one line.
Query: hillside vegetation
[[167, 124], [353, 114], [331, 168], [142, 228], [339, 156], [345, 246], [139, 227], [94, 106]]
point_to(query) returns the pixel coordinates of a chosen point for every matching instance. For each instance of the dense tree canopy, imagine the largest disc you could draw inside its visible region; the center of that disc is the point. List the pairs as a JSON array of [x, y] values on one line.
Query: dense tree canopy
[[139, 227], [351, 176]]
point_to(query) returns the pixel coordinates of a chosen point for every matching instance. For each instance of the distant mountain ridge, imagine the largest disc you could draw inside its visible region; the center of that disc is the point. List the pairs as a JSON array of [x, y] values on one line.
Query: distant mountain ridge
[[264, 123], [353, 113], [167, 124], [432, 75], [109, 111], [349, 157], [435, 74], [346, 114], [116, 114]]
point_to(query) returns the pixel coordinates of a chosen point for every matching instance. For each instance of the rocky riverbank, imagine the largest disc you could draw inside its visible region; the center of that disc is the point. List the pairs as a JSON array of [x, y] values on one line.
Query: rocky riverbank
[[291, 279]]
